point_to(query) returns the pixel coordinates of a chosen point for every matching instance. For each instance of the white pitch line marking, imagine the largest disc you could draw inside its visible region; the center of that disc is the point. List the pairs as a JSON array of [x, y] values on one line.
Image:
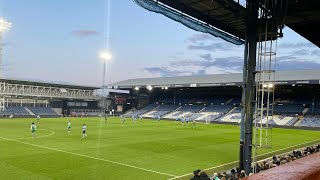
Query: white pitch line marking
[[90, 157], [52, 133], [237, 161]]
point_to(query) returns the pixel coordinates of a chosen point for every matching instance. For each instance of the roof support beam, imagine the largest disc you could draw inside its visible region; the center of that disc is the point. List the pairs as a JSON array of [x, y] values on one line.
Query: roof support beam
[[248, 87]]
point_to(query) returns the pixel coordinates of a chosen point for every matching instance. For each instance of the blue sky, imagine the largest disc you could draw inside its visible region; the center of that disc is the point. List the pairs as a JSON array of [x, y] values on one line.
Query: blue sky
[[60, 41]]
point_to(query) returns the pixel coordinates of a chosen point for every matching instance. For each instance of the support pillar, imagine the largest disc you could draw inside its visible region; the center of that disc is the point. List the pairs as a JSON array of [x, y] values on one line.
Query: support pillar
[[242, 110], [248, 88]]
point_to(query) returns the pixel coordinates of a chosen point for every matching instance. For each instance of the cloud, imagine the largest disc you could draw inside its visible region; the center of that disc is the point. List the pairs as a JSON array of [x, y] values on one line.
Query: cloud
[[233, 62], [286, 58], [206, 57], [172, 71], [5, 44], [296, 65], [162, 71], [199, 66], [200, 72], [207, 42], [315, 52], [210, 47], [296, 45], [227, 63], [301, 52], [220, 66], [200, 37], [84, 33], [293, 56]]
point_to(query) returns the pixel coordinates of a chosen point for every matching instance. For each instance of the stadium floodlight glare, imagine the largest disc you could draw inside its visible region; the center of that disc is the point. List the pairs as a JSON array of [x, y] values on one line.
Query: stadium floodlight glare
[[149, 88], [4, 25], [106, 56], [166, 88], [136, 88], [270, 85], [265, 85]]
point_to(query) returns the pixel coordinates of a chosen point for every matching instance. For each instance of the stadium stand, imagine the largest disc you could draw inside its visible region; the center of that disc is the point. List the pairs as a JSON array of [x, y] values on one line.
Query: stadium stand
[[235, 101], [141, 111], [173, 100], [184, 111], [214, 112], [218, 108], [233, 116], [285, 112], [194, 116], [288, 108], [218, 100], [310, 121], [15, 111], [160, 111], [43, 111], [317, 109], [85, 112]]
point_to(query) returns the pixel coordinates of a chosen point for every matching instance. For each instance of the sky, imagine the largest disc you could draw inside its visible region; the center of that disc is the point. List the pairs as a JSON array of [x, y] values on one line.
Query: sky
[[60, 41]]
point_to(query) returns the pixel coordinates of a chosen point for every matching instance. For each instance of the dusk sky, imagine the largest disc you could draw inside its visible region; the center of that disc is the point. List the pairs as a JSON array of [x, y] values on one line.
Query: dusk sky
[[60, 41]]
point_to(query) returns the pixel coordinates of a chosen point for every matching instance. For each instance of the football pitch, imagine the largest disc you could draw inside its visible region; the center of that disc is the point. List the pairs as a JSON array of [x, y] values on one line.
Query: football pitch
[[116, 150]]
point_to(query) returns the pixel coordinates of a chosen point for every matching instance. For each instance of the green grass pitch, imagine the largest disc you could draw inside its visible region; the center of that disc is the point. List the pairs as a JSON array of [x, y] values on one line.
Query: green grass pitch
[[116, 150]]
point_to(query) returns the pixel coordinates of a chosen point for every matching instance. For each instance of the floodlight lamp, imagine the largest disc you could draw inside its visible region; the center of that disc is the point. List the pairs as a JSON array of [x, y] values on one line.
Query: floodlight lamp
[[166, 88], [265, 85], [270, 85], [149, 88], [136, 88], [106, 56], [4, 25]]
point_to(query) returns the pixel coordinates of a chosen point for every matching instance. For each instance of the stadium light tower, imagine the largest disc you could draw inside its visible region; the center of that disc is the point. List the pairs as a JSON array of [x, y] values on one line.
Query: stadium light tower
[[4, 26], [106, 57]]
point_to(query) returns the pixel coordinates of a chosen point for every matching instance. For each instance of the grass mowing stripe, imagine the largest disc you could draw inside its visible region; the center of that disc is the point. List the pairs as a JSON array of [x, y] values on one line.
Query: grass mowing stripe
[[99, 159], [261, 155]]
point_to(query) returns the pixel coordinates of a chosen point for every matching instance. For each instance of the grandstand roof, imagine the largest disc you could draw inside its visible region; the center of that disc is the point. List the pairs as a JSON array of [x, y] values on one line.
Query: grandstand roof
[[52, 84], [232, 79], [301, 16]]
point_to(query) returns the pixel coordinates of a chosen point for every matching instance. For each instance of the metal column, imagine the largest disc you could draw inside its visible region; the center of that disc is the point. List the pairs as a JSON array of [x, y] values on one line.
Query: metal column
[[248, 87]]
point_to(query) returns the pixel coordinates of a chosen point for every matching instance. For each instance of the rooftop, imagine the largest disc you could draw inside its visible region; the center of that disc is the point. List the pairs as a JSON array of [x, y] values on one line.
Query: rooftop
[[232, 79], [44, 83]]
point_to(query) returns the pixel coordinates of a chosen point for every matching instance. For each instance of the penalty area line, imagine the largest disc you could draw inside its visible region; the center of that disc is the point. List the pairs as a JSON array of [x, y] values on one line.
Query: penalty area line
[[238, 161], [90, 157]]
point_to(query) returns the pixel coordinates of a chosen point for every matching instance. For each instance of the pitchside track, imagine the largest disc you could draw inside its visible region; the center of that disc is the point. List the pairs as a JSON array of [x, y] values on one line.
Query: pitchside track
[[116, 150]]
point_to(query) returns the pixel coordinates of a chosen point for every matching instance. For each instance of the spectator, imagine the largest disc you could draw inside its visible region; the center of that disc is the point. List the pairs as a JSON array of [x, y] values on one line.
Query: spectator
[[215, 176], [204, 176], [243, 171], [238, 170], [233, 173], [196, 175], [242, 175], [224, 174]]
